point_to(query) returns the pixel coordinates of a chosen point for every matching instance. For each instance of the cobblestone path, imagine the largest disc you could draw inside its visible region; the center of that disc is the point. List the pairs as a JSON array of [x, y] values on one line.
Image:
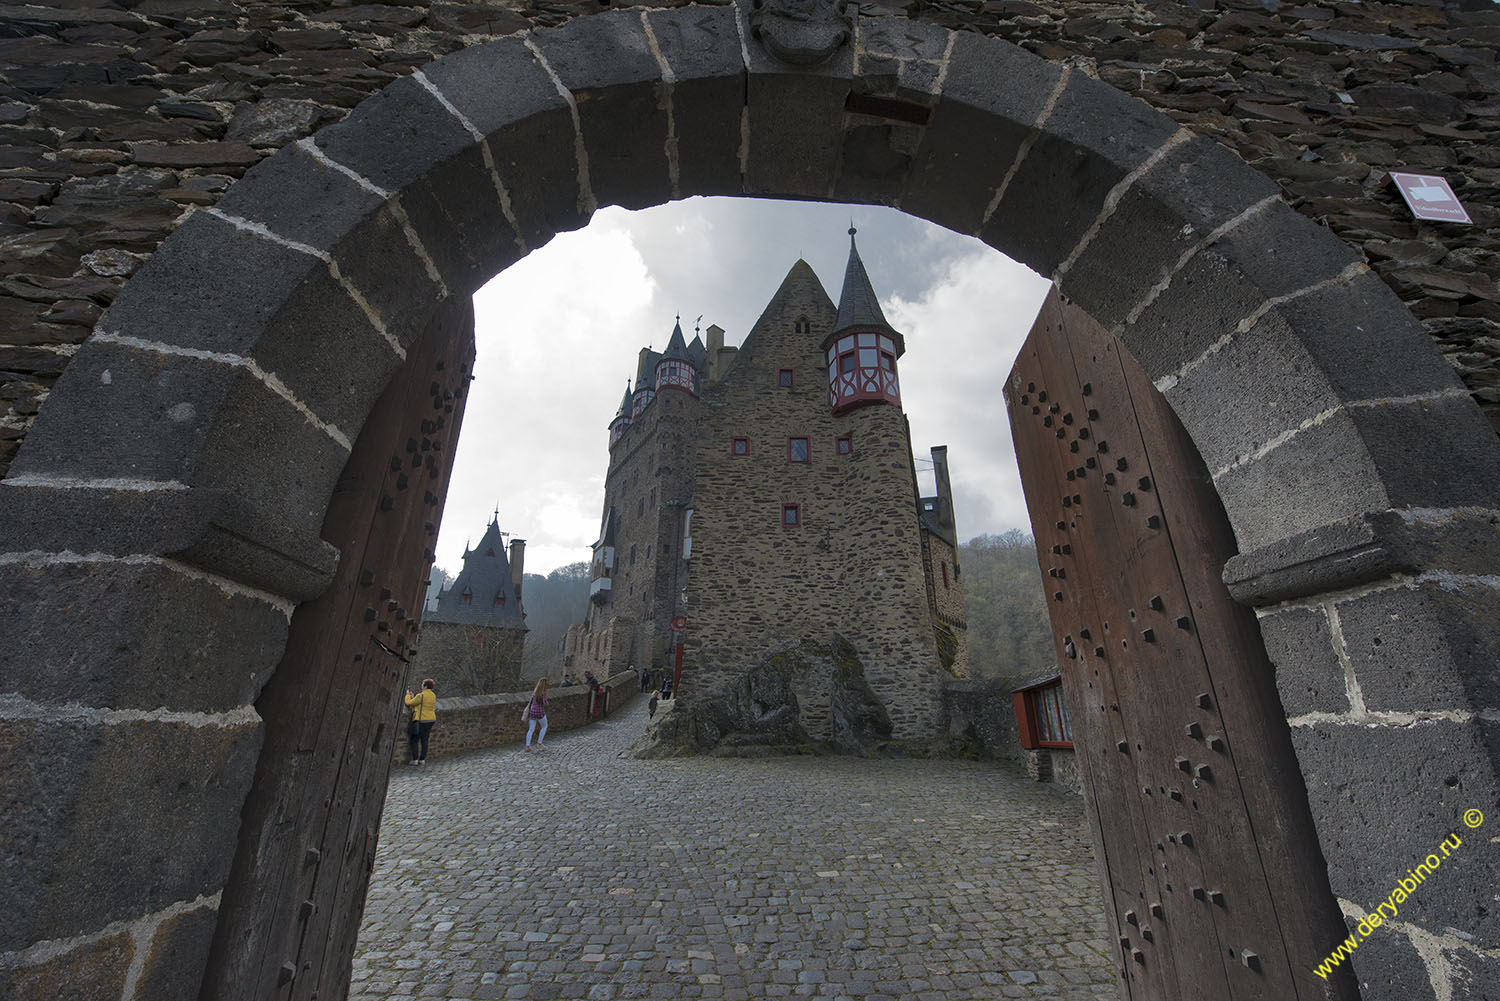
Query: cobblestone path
[[577, 873]]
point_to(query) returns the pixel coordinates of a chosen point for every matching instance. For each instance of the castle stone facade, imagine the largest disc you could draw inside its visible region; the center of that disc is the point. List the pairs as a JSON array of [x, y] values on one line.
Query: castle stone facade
[[764, 495], [473, 641]]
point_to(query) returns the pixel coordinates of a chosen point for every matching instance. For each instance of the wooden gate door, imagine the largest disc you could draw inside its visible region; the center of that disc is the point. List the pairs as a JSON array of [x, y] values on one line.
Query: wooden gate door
[[333, 710], [1215, 885]]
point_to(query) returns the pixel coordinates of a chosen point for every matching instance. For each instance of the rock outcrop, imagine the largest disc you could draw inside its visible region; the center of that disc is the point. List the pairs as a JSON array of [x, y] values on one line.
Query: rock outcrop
[[759, 713]]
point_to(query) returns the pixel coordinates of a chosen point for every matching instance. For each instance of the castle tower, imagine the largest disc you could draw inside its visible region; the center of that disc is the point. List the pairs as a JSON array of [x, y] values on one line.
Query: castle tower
[[862, 348], [473, 640], [623, 416], [677, 368]]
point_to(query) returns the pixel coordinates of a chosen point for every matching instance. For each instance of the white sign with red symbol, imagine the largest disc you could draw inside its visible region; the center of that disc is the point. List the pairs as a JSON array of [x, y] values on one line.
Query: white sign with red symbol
[[679, 623], [1429, 197]]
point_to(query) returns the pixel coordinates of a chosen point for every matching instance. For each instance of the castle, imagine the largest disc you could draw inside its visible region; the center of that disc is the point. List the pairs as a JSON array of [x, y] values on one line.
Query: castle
[[474, 636], [763, 495]]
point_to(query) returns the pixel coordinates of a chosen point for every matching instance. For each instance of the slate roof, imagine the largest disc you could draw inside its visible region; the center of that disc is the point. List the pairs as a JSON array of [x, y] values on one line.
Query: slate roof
[[485, 575], [858, 304], [624, 410], [677, 346]]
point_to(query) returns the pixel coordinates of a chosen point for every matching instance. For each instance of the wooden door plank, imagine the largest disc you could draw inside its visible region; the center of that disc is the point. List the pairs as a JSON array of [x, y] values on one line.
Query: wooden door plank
[[1301, 918], [1107, 560], [1109, 775], [324, 710], [1161, 673], [395, 558], [394, 552]]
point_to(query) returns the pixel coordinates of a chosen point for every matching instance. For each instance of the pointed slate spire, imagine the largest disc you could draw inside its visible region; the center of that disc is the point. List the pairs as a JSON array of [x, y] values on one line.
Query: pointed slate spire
[[624, 410], [858, 305], [677, 366], [677, 346]]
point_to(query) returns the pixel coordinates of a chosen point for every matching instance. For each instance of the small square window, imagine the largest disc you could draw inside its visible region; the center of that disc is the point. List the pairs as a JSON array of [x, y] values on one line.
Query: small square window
[[791, 515], [740, 446], [797, 450], [843, 445], [784, 377]]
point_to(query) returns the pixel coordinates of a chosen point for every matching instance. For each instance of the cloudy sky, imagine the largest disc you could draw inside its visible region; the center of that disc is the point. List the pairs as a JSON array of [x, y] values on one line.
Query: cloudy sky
[[559, 333]]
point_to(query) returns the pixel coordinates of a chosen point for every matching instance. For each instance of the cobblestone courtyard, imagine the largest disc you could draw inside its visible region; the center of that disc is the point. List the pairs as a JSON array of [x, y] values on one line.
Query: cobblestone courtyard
[[577, 873]]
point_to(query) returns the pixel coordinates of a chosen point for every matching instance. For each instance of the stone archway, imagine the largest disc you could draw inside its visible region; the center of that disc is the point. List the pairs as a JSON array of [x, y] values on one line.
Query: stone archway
[[182, 466]]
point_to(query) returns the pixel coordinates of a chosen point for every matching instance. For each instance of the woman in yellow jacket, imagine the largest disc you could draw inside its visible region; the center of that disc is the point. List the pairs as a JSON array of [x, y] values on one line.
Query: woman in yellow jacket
[[423, 708]]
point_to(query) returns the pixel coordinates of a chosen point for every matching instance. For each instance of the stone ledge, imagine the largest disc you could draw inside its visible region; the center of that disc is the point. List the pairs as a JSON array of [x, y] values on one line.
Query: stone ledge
[[475, 722], [1363, 549]]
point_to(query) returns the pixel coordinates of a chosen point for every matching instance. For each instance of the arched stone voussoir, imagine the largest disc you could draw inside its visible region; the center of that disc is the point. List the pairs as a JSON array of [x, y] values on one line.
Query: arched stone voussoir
[[1194, 193], [702, 48], [1091, 139], [624, 119], [1425, 452], [517, 185], [183, 423], [1293, 366], [898, 69], [977, 130], [223, 288], [1271, 255], [795, 117]]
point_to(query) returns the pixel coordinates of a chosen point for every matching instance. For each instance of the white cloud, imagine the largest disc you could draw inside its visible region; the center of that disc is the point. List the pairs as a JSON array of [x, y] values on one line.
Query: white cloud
[[962, 336]]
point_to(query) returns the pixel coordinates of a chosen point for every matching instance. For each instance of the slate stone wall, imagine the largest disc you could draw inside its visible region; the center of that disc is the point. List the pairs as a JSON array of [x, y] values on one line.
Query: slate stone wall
[[649, 484], [115, 123], [475, 722], [853, 565], [447, 653], [605, 651]]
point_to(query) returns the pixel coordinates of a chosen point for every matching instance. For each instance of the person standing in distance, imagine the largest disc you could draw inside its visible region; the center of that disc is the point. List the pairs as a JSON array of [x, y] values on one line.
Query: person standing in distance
[[536, 711], [423, 708]]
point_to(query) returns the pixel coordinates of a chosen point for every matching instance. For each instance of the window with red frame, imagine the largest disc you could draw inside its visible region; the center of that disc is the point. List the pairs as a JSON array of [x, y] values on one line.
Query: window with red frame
[[1042, 716], [798, 450], [843, 444], [791, 516], [739, 446], [784, 377]]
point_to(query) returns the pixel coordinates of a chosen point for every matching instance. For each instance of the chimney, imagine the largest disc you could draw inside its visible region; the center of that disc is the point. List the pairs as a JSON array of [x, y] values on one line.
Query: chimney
[[945, 518], [715, 345], [517, 564]]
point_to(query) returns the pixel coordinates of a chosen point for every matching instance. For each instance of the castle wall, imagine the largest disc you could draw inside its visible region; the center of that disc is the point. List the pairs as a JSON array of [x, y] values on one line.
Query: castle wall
[[468, 660], [945, 595], [854, 563], [606, 651], [649, 483]]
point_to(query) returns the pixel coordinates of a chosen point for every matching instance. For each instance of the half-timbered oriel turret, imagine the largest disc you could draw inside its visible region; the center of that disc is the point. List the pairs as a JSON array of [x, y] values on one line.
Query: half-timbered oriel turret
[[862, 348]]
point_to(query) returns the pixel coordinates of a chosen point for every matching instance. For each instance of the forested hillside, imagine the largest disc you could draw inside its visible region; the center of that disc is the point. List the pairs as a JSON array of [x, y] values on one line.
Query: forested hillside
[[552, 604], [1006, 605]]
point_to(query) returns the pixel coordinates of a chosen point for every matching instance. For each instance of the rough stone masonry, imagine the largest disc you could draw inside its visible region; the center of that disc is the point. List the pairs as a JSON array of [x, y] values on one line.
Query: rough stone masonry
[[118, 119]]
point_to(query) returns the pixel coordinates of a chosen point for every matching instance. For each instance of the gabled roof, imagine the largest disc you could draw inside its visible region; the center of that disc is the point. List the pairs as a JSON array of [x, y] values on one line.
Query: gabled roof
[[485, 575], [800, 280], [858, 304], [697, 352]]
